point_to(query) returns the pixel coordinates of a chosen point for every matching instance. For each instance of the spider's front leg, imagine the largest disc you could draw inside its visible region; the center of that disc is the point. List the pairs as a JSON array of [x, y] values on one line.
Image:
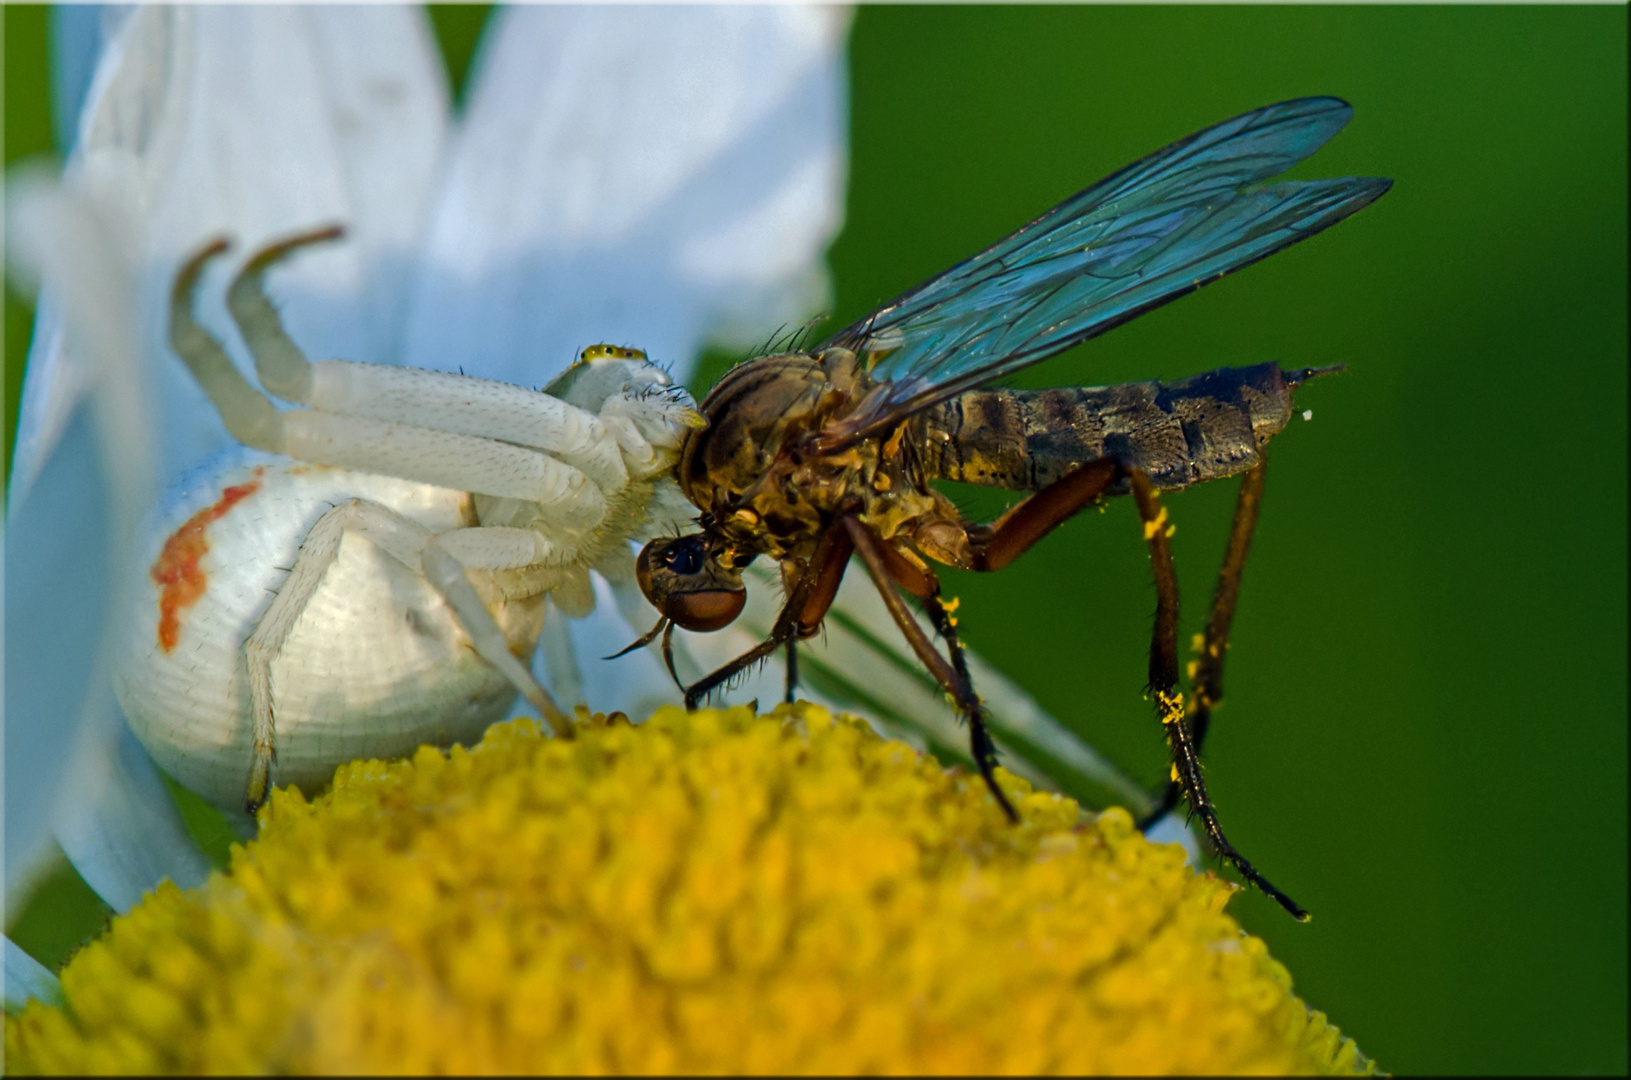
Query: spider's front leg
[[430, 427]]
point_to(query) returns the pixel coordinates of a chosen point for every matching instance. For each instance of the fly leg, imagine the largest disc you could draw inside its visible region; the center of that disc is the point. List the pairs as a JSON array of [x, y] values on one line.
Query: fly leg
[[922, 583], [1206, 673], [1011, 535], [807, 604], [952, 675], [996, 545], [1186, 762], [792, 655]]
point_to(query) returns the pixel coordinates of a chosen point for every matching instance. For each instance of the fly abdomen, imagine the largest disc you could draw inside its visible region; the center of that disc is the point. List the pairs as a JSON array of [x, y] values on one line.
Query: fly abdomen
[[1200, 428]]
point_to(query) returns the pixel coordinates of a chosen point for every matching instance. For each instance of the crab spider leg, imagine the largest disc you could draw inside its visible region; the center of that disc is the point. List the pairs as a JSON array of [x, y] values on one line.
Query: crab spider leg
[[499, 547], [400, 537], [438, 400], [467, 405], [248, 414], [282, 367], [414, 546], [460, 462], [444, 560], [560, 658], [446, 459], [447, 575]]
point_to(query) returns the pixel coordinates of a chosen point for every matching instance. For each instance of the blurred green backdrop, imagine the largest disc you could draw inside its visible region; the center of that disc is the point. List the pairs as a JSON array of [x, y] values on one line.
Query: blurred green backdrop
[[1425, 734]]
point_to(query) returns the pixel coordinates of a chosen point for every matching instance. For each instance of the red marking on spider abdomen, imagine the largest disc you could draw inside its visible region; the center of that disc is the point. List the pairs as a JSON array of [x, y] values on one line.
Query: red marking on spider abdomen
[[181, 580]]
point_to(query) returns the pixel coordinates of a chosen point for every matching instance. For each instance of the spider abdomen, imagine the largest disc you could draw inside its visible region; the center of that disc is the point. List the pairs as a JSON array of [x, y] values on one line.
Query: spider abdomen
[[375, 666]]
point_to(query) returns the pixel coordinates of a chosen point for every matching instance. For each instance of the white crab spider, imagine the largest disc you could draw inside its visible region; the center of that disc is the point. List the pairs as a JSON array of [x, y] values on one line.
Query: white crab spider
[[381, 583]]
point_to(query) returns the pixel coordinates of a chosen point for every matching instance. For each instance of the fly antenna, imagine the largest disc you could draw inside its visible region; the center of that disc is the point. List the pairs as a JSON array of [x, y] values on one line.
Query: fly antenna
[[668, 657], [644, 640]]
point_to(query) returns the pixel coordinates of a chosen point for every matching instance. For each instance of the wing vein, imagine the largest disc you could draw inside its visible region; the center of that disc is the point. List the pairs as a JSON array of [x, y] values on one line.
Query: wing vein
[[1164, 226]]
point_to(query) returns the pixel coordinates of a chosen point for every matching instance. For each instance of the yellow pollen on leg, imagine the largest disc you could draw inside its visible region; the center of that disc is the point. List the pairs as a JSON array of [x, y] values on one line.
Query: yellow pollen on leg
[[1155, 525]]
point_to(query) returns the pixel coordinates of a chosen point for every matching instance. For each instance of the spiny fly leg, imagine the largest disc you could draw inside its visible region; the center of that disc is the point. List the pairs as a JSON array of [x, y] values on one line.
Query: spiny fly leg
[[891, 573], [941, 613], [792, 670], [1163, 685], [984, 748], [1206, 671], [720, 679]]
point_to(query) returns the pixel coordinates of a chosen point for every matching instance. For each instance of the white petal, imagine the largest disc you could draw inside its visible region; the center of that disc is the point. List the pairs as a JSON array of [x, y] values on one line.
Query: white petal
[[56, 585], [76, 42], [116, 821], [263, 120], [53, 387], [641, 176], [259, 121], [74, 245], [27, 978], [72, 510], [1173, 829]]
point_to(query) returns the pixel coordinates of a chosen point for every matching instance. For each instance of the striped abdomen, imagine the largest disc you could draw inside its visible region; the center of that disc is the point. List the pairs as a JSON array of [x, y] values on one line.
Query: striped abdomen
[[1200, 428]]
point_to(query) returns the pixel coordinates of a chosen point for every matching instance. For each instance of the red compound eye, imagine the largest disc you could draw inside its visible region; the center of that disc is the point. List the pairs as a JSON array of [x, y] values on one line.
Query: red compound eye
[[705, 611]]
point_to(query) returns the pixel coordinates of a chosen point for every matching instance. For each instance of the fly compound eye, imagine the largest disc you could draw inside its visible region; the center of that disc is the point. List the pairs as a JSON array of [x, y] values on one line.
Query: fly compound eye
[[686, 581], [684, 558], [662, 562], [706, 611]]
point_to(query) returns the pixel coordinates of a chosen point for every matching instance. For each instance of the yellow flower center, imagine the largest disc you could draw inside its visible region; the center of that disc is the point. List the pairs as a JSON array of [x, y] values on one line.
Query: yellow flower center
[[706, 892]]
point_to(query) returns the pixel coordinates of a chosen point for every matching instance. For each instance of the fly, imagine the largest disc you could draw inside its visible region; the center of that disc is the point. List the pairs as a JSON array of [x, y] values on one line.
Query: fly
[[813, 457]]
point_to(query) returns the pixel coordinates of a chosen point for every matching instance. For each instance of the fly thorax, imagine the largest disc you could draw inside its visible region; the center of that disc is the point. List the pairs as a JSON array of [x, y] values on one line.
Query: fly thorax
[[757, 416]]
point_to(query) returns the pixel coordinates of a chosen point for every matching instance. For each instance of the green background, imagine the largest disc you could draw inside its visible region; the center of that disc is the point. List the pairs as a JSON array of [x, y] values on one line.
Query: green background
[[1425, 736]]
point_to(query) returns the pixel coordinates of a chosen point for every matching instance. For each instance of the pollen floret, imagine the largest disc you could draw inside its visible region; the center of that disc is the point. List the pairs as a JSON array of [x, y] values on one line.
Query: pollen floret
[[708, 892]]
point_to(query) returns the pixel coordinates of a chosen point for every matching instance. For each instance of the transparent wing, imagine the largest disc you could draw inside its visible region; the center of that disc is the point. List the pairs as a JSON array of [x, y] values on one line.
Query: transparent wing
[[1162, 227]]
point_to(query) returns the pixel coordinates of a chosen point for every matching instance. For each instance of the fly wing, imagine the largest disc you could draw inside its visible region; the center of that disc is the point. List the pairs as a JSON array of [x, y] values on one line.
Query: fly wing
[[1162, 227]]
